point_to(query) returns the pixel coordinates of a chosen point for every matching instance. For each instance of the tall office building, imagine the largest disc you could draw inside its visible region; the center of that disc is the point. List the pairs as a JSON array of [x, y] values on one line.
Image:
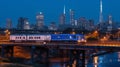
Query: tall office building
[[20, 23], [52, 26], [26, 24], [83, 23], [110, 19], [91, 24], [62, 17], [101, 22], [101, 15], [40, 20], [76, 22], [8, 23], [72, 21], [109, 28]]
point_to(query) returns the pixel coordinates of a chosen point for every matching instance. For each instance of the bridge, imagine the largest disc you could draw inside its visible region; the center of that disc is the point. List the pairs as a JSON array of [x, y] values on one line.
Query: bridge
[[80, 52]]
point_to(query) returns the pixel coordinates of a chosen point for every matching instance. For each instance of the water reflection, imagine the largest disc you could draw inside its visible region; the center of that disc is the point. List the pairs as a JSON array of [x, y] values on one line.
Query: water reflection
[[108, 60], [95, 61]]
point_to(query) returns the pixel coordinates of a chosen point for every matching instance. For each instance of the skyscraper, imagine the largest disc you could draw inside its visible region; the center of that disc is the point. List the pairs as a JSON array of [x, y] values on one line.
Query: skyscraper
[[72, 21], [62, 17], [26, 24], [20, 23], [52, 26], [40, 20], [101, 15], [8, 23], [110, 25], [110, 19]]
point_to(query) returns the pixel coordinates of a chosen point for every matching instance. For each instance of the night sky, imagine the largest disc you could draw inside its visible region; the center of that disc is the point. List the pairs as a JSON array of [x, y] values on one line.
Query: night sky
[[52, 9]]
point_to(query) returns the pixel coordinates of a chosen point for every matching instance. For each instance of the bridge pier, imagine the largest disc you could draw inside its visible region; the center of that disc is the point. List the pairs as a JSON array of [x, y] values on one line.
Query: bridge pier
[[47, 57], [10, 52], [77, 58], [7, 52], [83, 58], [32, 54], [39, 56], [43, 56], [3, 51]]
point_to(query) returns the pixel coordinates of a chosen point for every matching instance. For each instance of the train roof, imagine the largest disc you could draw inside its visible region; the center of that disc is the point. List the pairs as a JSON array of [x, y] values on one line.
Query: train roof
[[47, 34], [66, 34]]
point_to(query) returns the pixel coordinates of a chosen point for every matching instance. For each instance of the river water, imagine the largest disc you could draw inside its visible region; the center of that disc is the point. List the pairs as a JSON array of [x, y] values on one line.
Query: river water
[[108, 60]]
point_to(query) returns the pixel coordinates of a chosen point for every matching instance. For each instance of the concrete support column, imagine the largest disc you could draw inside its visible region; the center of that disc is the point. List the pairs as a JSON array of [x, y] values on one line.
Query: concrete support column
[[32, 54], [11, 52], [3, 51], [44, 57], [47, 57], [71, 58], [77, 58], [83, 58]]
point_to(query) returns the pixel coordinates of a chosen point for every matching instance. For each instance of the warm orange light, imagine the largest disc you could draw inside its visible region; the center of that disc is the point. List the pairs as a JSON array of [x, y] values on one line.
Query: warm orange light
[[73, 32]]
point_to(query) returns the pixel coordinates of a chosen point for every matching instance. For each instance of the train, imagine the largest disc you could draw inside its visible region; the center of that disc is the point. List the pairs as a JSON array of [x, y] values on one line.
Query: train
[[73, 38]]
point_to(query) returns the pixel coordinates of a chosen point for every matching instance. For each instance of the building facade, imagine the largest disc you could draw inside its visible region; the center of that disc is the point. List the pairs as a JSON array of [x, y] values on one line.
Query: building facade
[[40, 20], [72, 21], [8, 23]]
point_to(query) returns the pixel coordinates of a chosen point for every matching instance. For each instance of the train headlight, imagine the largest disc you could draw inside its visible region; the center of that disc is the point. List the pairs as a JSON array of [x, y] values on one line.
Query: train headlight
[[82, 40]]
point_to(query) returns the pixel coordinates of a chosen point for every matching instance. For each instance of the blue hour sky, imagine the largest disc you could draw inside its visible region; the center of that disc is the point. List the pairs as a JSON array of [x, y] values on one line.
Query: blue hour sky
[[52, 9]]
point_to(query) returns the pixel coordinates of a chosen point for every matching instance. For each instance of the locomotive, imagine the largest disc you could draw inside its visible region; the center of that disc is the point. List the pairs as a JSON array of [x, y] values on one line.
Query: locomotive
[[79, 38]]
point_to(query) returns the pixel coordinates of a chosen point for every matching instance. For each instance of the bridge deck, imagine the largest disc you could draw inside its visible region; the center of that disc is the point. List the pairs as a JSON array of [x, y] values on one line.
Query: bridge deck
[[88, 45]]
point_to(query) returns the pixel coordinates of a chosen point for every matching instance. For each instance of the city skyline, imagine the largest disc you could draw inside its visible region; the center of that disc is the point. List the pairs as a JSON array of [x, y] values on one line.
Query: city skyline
[[53, 9]]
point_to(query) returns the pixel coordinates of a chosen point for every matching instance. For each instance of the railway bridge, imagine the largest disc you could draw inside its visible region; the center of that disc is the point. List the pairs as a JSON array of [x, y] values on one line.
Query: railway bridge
[[73, 51]]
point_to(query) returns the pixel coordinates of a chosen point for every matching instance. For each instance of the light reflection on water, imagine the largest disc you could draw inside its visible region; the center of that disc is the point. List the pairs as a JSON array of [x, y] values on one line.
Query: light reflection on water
[[108, 60], [95, 61], [57, 65]]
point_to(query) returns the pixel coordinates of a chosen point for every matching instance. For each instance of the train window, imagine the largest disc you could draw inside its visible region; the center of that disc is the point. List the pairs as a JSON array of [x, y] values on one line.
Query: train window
[[20, 37], [39, 37], [23, 37], [16, 38], [34, 37], [30, 37]]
